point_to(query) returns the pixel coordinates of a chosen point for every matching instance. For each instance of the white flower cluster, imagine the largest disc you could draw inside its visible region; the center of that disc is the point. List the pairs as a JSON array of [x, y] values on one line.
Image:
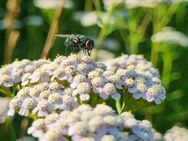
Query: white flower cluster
[[136, 75], [150, 3], [83, 78], [53, 4], [91, 124], [42, 99], [169, 35], [108, 3], [19, 71], [140, 3], [176, 134]]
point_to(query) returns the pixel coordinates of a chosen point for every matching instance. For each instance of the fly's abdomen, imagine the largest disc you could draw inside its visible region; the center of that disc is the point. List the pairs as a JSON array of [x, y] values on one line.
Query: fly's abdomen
[[69, 43]]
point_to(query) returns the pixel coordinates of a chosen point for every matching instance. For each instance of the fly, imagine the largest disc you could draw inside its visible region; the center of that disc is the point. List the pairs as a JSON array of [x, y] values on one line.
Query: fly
[[78, 41]]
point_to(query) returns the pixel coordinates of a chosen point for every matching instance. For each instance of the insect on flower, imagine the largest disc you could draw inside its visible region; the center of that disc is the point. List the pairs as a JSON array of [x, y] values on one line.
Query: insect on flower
[[78, 41]]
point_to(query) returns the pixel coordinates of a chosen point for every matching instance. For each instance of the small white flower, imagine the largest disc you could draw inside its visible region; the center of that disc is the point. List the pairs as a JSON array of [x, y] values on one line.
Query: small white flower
[[13, 105], [83, 89], [52, 135], [40, 74], [54, 98], [95, 123], [29, 68], [70, 70], [116, 80], [98, 82], [6, 80], [27, 105], [156, 93], [108, 73], [43, 108], [82, 68], [108, 138], [37, 129], [78, 79], [60, 74], [78, 128], [25, 79]]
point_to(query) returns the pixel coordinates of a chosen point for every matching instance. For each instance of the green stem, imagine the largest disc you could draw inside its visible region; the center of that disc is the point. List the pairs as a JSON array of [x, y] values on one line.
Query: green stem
[[93, 100], [12, 133], [33, 117], [154, 54], [159, 21], [123, 36], [98, 9], [88, 5], [167, 66], [126, 101], [133, 45], [118, 106], [104, 28], [6, 91]]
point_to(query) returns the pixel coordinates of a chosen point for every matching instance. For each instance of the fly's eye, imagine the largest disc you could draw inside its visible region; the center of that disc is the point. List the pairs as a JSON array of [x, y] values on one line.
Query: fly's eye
[[75, 39], [89, 44]]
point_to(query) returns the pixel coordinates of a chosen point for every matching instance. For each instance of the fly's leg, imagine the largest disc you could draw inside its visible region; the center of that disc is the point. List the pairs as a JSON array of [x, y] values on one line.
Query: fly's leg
[[66, 51], [66, 46], [89, 52], [84, 51]]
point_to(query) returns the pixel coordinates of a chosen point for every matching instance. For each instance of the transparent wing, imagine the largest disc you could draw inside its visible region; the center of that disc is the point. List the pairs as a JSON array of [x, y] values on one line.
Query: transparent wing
[[65, 35]]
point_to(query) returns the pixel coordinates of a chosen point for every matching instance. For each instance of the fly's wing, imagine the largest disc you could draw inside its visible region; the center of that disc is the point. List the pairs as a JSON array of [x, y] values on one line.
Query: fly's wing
[[65, 35]]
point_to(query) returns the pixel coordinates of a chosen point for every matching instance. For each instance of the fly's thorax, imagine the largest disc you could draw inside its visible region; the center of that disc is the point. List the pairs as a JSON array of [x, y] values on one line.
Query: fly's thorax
[[81, 37]]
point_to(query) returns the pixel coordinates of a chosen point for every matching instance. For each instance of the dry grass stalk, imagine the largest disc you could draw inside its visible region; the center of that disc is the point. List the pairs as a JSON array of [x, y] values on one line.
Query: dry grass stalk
[[53, 31], [13, 10]]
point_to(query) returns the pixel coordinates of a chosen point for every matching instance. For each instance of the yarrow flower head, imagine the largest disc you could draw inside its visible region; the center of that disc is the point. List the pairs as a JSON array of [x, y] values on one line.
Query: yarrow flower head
[[66, 82], [134, 74], [86, 123], [176, 133], [147, 3]]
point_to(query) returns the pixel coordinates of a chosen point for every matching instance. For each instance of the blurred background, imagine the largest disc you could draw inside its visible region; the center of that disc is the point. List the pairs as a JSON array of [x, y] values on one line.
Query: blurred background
[[156, 29]]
